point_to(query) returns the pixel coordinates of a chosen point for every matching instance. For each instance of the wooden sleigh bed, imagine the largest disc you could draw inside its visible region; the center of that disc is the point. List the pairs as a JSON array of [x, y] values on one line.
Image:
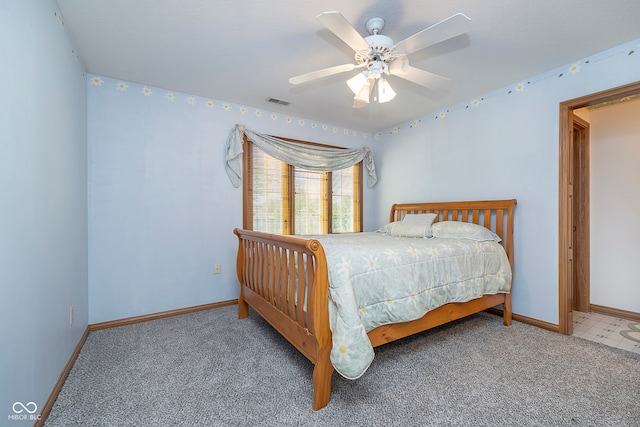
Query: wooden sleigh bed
[[285, 280]]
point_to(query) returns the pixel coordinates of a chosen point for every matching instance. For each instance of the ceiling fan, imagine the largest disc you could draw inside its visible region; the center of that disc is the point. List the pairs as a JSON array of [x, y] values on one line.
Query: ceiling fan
[[378, 55]]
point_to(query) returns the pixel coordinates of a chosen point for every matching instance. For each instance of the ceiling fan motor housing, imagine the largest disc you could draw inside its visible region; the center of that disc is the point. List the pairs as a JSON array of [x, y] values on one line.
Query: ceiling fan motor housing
[[381, 48]]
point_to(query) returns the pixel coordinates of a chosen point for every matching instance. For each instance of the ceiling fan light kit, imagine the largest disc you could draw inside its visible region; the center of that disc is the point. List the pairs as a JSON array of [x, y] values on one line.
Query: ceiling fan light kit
[[362, 97], [379, 55], [385, 93], [356, 82]]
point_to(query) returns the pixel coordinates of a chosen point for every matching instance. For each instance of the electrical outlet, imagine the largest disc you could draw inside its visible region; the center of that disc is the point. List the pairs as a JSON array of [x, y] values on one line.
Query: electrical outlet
[[71, 315], [217, 268]]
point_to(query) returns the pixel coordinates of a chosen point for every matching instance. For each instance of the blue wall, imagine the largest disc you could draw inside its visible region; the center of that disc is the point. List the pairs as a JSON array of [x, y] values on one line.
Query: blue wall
[[161, 207], [502, 144], [43, 199]]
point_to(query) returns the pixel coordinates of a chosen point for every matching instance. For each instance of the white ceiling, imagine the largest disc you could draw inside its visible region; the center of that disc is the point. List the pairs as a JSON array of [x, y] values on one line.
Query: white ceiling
[[244, 51]]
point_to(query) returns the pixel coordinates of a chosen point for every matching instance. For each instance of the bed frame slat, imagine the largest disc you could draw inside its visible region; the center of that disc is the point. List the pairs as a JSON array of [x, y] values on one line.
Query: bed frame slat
[[300, 285], [291, 284]]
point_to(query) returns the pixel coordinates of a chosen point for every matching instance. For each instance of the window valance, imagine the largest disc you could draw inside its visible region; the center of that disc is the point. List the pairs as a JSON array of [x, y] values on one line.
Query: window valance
[[320, 159]]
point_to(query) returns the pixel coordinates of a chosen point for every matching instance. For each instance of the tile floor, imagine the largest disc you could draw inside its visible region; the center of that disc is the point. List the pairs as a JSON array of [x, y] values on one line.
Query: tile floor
[[611, 331]]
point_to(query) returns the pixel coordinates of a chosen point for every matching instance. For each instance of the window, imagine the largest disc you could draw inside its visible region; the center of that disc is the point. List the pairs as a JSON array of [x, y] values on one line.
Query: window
[[282, 199]]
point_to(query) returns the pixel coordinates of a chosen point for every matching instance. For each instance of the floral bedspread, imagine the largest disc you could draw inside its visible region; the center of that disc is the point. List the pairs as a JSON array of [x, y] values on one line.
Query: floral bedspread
[[376, 279]]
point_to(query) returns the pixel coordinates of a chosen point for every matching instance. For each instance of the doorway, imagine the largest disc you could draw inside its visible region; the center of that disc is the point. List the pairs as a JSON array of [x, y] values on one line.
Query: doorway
[[574, 204]]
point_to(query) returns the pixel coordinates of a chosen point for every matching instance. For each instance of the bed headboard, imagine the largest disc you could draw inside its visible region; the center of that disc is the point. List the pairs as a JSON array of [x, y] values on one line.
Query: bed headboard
[[496, 215]]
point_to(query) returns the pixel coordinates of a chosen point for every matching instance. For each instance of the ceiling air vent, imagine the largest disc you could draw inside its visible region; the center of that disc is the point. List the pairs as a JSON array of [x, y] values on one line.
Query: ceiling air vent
[[278, 101]]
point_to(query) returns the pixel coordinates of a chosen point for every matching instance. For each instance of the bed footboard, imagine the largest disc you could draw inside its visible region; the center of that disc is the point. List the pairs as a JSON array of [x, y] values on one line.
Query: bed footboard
[[285, 280]]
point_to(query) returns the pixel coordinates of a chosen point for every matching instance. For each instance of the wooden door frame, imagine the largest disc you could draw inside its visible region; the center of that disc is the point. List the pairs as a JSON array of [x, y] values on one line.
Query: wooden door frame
[[581, 216], [565, 302]]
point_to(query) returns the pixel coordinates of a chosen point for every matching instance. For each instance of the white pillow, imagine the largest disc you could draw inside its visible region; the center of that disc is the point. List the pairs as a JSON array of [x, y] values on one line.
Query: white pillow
[[411, 225], [400, 229], [386, 229], [411, 221], [423, 219], [463, 230]]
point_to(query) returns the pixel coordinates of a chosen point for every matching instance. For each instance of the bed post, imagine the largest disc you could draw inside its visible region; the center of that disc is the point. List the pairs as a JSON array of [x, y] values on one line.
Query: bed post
[[507, 314], [243, 307], [322, 373], [319, 315]]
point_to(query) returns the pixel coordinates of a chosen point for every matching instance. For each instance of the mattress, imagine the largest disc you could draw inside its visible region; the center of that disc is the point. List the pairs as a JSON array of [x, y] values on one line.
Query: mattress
[[377, 279]]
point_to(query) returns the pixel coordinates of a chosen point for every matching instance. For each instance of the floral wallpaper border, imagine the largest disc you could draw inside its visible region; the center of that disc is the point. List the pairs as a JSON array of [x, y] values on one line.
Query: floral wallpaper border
[[213, 104], [559, 73]]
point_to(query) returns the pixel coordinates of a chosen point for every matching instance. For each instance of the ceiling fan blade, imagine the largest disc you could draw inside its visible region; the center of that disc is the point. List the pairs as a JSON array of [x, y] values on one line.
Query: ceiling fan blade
[[443, 30], [338, 25], [422, 78], [325, 72]]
